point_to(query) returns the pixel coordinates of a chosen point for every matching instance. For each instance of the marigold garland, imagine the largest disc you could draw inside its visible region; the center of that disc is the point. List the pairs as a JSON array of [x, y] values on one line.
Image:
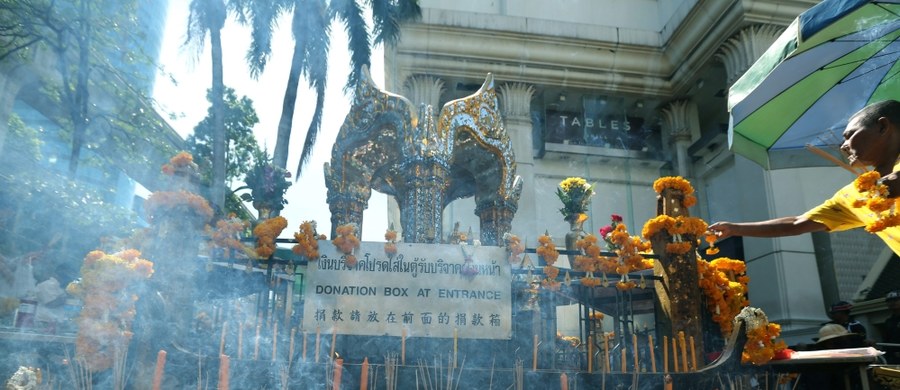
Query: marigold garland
[[177, 203], [514, 248], [874, 196], [724, 283], [628, 250], [676, 183], [761, 344], [547, 250], [307, 244], [266, 233], [390, 245], [227, 233], [346, 242], [108, 287], [180, 160]]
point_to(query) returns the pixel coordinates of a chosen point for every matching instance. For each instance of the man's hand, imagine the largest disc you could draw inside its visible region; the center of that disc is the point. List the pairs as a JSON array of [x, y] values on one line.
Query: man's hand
[[892, 181], [722, 229]]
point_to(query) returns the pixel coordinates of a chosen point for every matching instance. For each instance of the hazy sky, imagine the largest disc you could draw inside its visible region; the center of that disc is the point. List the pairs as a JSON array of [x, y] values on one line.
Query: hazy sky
[[187, 98]]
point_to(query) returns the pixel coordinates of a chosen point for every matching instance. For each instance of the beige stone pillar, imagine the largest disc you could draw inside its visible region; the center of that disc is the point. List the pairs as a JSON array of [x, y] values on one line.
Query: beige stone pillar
[[744, 48], [515, 106], [682, 123]]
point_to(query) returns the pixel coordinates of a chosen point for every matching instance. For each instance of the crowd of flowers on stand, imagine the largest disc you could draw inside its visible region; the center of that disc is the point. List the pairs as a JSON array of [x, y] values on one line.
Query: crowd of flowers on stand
[[108, 287]]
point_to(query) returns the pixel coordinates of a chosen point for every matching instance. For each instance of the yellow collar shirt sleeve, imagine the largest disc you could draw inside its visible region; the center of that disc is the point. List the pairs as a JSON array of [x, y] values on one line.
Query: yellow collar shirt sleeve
[[838, 214]]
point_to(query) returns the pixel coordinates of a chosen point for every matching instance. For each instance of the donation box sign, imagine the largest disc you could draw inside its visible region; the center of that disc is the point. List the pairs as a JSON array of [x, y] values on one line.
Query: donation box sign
[[424, 290]]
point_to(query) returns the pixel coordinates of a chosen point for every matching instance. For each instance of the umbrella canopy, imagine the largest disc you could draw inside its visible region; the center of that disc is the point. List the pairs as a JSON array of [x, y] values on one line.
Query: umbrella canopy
[[832, 61]]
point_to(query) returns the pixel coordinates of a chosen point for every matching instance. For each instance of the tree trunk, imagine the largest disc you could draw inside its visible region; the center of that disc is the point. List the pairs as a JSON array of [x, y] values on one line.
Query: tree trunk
[[79, 102], [285, 124], [219, 136]]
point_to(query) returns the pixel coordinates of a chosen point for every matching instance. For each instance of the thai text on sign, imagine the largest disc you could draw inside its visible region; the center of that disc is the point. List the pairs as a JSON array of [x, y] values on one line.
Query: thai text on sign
[[425, 289]]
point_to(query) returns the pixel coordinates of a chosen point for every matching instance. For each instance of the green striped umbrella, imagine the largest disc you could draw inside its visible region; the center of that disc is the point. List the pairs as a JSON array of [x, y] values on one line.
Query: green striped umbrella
[[833, 60]]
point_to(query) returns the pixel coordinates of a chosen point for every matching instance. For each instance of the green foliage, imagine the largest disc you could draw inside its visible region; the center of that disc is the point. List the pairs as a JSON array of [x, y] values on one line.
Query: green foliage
[[22, 140], [242, 149]]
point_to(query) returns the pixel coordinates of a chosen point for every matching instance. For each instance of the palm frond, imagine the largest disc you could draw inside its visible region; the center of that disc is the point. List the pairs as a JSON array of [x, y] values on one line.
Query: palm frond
[[350, 14]]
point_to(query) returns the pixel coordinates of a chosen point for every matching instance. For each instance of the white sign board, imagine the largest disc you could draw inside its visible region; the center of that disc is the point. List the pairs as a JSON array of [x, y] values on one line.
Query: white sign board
[[428, 290]]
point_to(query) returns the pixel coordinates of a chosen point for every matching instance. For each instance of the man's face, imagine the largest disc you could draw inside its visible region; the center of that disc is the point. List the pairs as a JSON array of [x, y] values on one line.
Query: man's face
[[861, 144], [840, 316]]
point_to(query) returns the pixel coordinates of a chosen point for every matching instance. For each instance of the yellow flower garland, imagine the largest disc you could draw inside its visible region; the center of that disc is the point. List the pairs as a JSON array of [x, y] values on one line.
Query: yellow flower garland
[[266, 233], [307, 241], [724, 282], [546, 250], [390, 245], [346, 242], [676, 183], [874, 196]]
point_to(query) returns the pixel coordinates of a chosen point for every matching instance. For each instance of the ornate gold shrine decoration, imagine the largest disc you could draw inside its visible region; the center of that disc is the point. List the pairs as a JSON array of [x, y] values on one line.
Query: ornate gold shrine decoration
[[424, 161]]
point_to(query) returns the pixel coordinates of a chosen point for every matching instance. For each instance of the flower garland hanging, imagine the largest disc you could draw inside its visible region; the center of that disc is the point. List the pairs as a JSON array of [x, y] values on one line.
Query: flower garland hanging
[[724, 283], [676, 183], [307, 241], [514, 248], [711, 240], [874, 196], [109, 285], [547, 250], [346, 242], [162, 204], [677, 228], [591, 261], [266, 233], [390, 245], [628, 251], [761, 345], [227, 233]]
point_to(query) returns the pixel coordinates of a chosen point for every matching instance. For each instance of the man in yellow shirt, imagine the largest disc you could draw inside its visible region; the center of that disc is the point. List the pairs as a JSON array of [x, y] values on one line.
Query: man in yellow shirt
[[871, 138]]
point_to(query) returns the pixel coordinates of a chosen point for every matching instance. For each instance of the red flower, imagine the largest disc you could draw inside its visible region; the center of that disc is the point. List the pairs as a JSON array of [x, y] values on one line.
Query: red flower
[[605, 230], [616, 218]]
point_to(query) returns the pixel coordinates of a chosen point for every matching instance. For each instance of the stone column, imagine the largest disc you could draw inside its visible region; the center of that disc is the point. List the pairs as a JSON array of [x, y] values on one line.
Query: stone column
[[425, 90], [744, 48], [422, 199], [515, 106], [681, 120], [496, 219], [348, 207]]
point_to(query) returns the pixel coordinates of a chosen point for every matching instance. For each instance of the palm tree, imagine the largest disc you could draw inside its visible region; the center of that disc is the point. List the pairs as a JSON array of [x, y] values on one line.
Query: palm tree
[[208, 16], [311, 20]]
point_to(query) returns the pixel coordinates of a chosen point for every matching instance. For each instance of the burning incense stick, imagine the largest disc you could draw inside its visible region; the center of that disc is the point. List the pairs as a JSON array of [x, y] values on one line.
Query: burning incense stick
[[652, 354], [223, 372], [665, 354], [693, 355], [160, 369], [403, 346], [222, 338]]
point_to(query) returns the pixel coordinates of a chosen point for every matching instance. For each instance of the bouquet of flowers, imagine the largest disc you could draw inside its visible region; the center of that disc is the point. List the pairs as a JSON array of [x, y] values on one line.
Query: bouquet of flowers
[[575, 194], [267, 184]]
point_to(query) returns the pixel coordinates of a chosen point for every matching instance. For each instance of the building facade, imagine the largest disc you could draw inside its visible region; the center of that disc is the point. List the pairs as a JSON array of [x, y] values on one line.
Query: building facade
[[621, 93]]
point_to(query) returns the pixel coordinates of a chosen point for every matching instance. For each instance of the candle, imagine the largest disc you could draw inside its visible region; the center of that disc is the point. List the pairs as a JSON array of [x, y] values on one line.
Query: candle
[[338, 368], [364, 375], [563, 382], [403, 346], [683, 347], [333, 339], [274, 340], [455, 340], [160, 368], [605, 353], [240, 340], [675, 367], [534, 354], [223, 372], [652, 354], [256, 343], [590, 357], [222, 338], [666, 354], [693, 355], [637, 366], [291, 350], [318, 334], [624, 362]]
